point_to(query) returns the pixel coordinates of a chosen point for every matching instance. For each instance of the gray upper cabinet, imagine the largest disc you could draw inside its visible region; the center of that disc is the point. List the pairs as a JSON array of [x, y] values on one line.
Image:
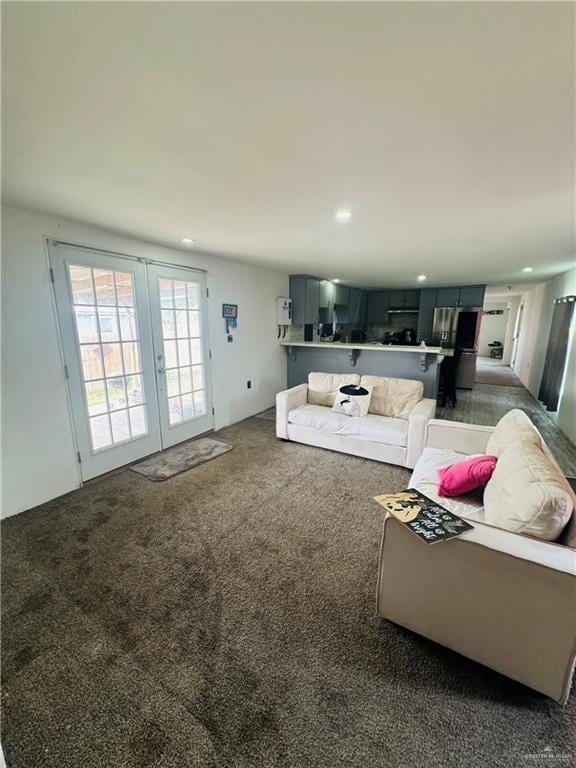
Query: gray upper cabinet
[[412, 298], [305, 295], [463, 296], [342, 295], [405, 299], [396, 299], [326, 294], [354, 312], [426, 313], [472, 296], [448, 297], [377, 306], [326, 303]]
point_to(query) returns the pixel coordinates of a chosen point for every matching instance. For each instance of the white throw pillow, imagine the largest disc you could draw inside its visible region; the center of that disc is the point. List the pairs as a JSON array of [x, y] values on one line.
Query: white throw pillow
[[322, 387], [526, 493], [352, 400]]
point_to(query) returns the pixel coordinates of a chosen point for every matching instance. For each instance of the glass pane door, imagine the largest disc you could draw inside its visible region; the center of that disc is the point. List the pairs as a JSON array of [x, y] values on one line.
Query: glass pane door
[[177, 298], [104, 320]]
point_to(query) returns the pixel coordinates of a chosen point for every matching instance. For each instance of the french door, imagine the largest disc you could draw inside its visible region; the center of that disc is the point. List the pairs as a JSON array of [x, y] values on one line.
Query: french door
[[177, 300], [135, 348]]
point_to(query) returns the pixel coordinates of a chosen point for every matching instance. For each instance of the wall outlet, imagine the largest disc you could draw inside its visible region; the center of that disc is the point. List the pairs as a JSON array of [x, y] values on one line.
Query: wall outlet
[[249, 384]]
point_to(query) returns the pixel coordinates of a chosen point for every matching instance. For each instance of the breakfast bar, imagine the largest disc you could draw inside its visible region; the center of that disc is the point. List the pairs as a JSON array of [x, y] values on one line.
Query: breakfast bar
[[421, 363]]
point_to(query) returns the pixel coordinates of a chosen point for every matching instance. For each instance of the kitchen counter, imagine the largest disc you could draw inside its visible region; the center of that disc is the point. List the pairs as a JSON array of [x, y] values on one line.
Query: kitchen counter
[[405, 362], [371, 347]]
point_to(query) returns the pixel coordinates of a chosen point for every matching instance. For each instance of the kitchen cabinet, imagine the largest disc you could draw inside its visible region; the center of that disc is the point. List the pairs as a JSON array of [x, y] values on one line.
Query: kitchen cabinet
[[463, 296], [342, 295], [405, 299], [305, 295], [472, 296], [326, 294], [377, 306], [355, 313], [412, 299], [326, 302], [426, 313], [448, 297]]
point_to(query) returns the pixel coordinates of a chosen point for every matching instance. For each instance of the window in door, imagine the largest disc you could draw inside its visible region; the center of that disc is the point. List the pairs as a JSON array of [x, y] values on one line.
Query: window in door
[[110, 353], [181, 310]]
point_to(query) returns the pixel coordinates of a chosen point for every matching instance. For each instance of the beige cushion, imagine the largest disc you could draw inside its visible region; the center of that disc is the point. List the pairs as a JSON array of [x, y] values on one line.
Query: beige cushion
[[393, 397], [323, 386], [514, 426], [527, 494]]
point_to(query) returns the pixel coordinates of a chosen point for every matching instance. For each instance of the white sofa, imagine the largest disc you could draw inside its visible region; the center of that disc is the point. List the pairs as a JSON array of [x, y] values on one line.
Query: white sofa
[[495, 594], [393, 431]]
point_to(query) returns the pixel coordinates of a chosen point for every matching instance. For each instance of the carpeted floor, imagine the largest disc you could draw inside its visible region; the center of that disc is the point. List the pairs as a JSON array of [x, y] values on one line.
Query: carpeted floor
[[225, 618]]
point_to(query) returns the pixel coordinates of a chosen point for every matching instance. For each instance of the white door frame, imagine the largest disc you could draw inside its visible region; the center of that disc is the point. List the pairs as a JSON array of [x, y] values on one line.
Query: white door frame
[[517, 332], [66, 329], [196, 425]]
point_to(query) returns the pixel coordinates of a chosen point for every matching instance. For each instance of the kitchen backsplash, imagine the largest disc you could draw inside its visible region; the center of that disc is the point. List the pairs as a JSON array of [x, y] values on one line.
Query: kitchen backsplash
[[397, 321]]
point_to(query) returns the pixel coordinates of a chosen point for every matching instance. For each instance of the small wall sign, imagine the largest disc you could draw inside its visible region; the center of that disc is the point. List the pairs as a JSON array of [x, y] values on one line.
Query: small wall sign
[[230, 315]]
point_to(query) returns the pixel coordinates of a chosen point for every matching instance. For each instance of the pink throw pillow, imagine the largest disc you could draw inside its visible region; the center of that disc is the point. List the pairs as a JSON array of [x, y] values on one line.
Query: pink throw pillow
[[466, 475]]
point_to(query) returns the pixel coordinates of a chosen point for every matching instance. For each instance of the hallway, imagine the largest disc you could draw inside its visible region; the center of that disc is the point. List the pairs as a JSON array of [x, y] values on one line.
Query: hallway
[[493, 371], [487, 403]]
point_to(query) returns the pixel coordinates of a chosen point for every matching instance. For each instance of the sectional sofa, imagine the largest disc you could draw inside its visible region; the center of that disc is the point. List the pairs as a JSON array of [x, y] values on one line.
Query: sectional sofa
[[503, 593]]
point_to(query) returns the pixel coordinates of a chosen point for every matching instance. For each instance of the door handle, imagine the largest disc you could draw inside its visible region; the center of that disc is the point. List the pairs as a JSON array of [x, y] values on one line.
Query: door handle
[[161, 370]]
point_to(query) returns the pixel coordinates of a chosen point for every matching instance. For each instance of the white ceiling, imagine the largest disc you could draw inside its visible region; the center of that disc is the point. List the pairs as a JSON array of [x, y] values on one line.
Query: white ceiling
[[507, 291], [446, 127]]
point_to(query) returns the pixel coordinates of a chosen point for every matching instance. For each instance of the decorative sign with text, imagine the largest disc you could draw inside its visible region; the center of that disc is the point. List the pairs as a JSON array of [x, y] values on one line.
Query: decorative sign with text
[[424, 517]]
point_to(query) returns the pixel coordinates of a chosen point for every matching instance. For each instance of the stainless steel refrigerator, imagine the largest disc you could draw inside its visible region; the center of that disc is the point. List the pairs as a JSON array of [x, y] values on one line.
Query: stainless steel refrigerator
[[457, 328]]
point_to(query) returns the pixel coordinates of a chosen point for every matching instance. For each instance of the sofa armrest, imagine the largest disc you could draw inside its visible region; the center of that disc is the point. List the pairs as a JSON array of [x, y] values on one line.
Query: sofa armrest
[[417, 422], [545, 553], [460, 437], [285, 402], [509, 613]]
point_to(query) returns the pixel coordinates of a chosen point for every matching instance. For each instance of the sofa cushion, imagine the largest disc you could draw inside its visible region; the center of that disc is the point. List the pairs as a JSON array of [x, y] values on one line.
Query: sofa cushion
[[322, 387], [514, 426], [527, 494], [376, 429], [425, 479], [393, 397]]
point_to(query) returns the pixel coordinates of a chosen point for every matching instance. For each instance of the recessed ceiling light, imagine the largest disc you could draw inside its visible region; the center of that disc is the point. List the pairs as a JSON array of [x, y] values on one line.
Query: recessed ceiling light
[[336, 280], [528, 269], [421, 278], [188, 240], [343, 215]]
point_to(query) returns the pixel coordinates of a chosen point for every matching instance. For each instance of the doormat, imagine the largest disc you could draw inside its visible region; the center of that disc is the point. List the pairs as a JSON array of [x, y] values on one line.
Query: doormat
[[163, 466]]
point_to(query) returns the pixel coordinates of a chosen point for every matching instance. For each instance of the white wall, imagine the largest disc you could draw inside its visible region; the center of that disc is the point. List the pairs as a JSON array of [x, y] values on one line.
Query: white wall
[[532, 344], [492, 327], [513, 305], [37, 442]]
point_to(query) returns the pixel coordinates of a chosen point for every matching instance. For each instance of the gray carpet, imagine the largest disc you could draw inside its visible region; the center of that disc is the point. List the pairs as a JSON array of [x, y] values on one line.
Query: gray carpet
[[225, 618], [180, 458]]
